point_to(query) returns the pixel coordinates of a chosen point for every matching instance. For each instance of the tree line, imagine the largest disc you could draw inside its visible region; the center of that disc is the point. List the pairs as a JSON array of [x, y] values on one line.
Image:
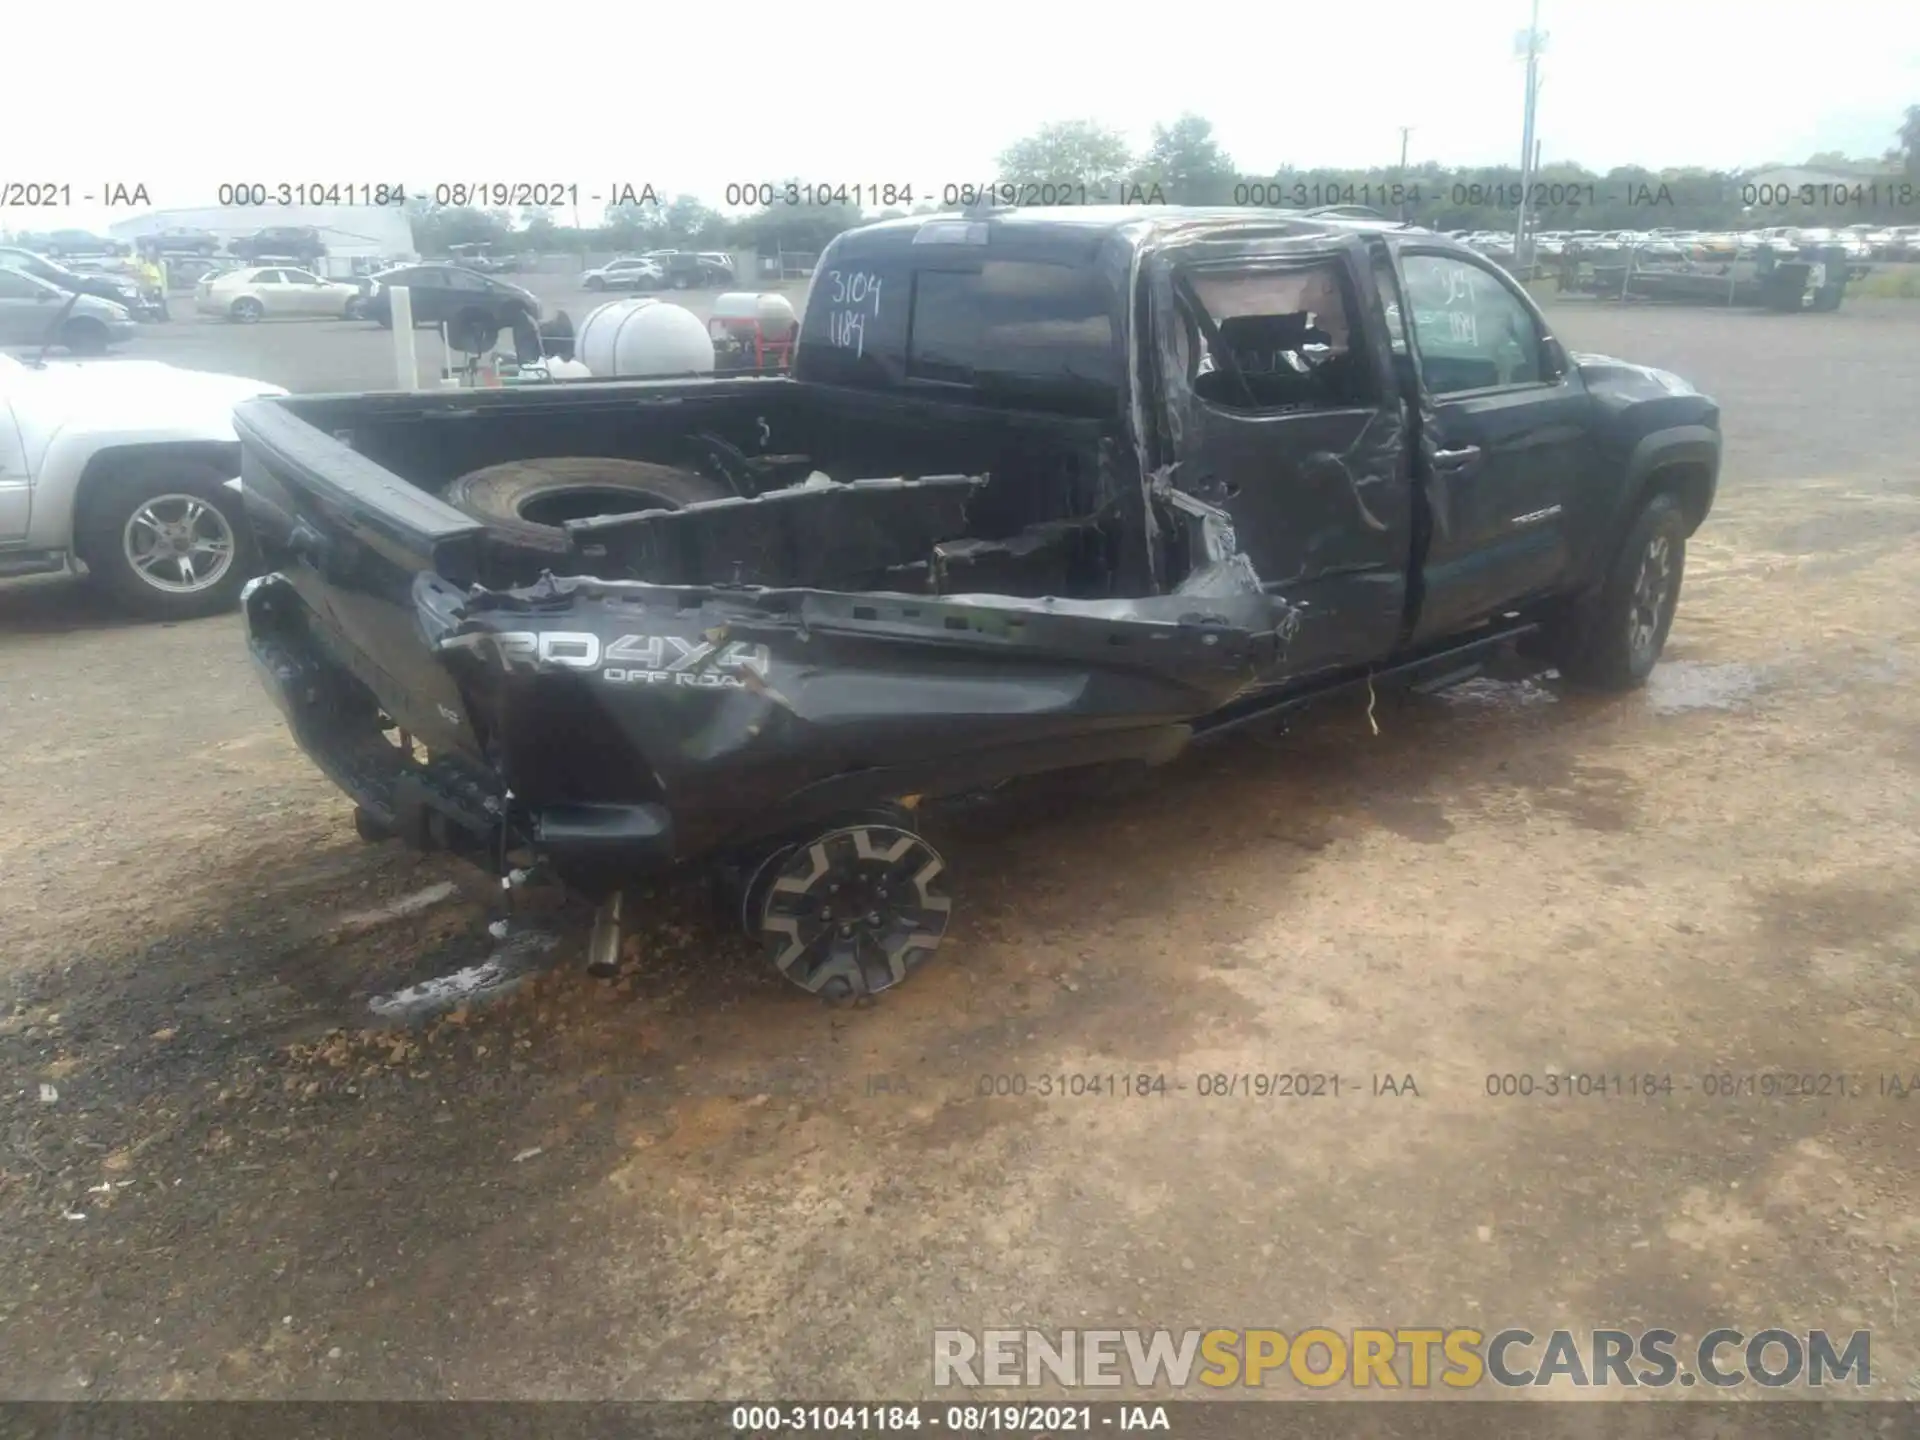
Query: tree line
[[1184, 164]]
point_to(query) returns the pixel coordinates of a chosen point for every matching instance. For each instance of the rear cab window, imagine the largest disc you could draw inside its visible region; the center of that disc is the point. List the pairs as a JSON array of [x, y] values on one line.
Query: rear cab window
[[1281, 336], [958, 322]]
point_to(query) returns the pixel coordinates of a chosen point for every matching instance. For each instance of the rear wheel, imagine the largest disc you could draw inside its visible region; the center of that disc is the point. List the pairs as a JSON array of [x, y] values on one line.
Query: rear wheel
[[1612, 638], [168, 540], [530, 500], [246, 311], [83, 335], [850, 912]]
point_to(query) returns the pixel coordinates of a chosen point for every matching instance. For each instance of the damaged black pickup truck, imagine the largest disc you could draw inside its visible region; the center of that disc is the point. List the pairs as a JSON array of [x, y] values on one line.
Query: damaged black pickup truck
[[1044, 489]]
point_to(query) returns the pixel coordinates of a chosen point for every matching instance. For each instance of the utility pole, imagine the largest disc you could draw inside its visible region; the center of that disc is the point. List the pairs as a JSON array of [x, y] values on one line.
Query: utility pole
[[1533, 39], [1405, 131]]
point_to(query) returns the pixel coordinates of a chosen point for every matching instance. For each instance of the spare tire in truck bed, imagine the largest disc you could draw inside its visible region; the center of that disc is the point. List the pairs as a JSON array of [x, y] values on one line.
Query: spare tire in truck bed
[[529, 500]]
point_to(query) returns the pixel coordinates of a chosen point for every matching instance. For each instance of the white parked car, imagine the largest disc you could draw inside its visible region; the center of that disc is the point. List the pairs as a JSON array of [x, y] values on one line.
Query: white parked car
[[632, 272], [274, 292], [132, 468]]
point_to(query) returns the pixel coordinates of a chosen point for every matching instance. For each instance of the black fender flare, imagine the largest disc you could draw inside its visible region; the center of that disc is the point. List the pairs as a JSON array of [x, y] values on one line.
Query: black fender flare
[[1696, 447], [1692, 445]]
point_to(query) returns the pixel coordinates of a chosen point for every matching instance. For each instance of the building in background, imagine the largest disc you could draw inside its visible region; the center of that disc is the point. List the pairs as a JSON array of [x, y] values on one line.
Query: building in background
[[350, 232], [1790, 178]]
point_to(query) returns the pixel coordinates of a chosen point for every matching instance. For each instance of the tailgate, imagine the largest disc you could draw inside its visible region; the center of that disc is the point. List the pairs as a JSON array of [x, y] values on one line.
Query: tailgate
[[297, 476], [351, 538]]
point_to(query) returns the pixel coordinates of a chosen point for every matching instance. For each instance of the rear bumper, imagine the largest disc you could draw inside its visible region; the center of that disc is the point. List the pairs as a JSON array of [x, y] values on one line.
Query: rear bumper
[[334, 719]]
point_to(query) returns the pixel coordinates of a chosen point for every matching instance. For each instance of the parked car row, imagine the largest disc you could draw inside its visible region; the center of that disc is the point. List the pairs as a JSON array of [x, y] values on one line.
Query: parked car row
[[303, 242], [474, 304], [662, 270], [119, 288], [34, 312], [1859, 242]]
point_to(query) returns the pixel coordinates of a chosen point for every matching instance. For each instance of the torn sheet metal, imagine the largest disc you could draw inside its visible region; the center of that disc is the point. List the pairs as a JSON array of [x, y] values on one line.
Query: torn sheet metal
[[806, 535], [727, 705]]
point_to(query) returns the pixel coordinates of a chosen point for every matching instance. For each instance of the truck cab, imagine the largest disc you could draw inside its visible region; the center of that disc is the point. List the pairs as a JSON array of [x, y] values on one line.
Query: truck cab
[[1403, 448]]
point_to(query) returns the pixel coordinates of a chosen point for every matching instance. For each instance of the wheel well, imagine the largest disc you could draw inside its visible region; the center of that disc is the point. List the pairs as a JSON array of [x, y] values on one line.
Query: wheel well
[[1689, 482], [107, 466]]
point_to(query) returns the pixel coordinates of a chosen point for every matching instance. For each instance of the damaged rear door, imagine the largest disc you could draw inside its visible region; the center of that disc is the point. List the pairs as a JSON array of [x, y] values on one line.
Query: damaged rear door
[[1277, 404]]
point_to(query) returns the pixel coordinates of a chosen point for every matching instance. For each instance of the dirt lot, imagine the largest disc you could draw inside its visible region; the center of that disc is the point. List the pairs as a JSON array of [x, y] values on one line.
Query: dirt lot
[[219, 1177]]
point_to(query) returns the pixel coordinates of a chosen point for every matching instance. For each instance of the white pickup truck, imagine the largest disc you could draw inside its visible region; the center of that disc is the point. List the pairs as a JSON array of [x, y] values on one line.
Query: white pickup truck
[[131, 468]]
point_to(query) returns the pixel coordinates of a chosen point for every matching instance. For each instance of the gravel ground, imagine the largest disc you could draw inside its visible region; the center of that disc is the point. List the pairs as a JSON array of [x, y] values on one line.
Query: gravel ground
[[219, 1177]]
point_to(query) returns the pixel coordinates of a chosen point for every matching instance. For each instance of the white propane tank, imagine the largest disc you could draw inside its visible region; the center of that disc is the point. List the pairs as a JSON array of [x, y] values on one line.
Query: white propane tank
[[774, 312], [642, 336]]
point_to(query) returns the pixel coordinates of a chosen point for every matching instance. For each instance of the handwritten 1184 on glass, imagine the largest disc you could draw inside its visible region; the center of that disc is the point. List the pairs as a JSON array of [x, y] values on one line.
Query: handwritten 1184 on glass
[[852, 299]]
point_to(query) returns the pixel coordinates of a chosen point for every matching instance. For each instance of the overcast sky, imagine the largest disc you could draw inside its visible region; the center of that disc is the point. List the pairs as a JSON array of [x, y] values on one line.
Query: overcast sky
[[879, 93]]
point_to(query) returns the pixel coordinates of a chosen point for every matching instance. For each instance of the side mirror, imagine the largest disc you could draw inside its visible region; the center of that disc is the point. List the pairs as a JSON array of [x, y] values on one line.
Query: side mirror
[[1558, 360]]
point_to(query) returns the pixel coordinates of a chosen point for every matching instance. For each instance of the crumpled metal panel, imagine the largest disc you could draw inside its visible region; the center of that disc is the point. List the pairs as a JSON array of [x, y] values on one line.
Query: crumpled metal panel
[[729, 704]]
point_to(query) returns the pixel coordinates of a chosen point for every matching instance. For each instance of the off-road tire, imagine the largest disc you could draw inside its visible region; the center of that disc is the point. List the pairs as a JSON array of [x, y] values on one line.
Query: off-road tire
[[500, 495], [83, 335], [100, 538], [1604, 640]]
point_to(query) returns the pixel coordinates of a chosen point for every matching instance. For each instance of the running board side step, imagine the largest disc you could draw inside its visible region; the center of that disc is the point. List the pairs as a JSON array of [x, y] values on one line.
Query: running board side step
[[1424, 674], [1435, 684]]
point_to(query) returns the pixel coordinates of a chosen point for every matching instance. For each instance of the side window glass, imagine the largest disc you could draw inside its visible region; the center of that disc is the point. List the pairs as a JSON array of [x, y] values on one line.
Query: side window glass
[[1472, 333], [266, 277], [1287, 333]]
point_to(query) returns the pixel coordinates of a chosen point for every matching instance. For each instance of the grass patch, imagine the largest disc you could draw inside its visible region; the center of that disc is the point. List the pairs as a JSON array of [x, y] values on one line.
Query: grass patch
[[1888, 282]]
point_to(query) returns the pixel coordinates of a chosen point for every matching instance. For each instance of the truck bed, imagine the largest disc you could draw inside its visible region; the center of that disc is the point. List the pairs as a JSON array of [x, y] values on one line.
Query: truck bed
[[970, 596]]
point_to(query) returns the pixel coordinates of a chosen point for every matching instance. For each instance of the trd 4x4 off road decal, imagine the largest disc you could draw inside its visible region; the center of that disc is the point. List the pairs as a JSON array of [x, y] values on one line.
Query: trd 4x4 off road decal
[[637, 659]]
